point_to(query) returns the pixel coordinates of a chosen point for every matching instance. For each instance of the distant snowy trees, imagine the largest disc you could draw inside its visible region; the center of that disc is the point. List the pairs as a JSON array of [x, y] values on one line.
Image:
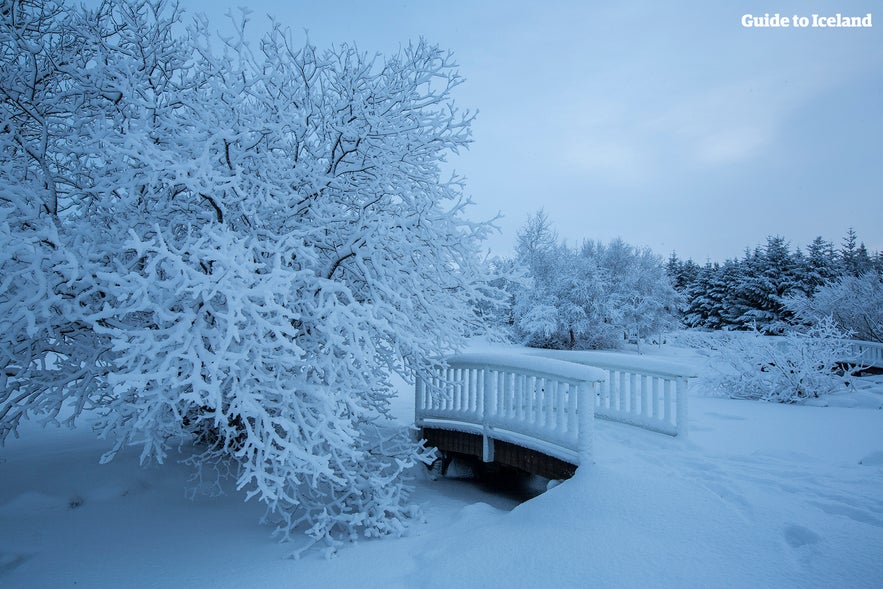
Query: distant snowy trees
[[772, 288], [854, 303], [238, 243], [595, 296]]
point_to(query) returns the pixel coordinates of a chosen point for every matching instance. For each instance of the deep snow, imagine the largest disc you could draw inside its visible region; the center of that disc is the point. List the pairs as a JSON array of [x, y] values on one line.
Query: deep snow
[[757, 495]]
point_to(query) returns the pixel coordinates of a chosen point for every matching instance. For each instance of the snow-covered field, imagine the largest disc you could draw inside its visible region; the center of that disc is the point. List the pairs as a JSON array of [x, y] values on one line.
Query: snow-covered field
[[758, 495]]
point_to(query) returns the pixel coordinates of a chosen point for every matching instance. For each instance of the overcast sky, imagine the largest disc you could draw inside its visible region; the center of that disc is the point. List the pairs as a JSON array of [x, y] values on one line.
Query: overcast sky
[[665, 123]]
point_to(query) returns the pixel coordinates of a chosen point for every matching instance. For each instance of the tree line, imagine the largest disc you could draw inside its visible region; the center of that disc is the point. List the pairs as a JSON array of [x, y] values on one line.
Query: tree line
[[600, 296], [772, 287]]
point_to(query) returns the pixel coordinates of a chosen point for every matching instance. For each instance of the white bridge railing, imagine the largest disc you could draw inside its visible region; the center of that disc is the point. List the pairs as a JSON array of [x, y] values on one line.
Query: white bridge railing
[[865, 354], [536, 399], [646, 392], [538, 403]]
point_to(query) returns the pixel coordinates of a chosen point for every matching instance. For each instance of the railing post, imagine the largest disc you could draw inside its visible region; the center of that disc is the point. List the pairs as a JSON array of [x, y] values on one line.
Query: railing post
[[419, 393], [586, 411], [682, 407], [488, 405]]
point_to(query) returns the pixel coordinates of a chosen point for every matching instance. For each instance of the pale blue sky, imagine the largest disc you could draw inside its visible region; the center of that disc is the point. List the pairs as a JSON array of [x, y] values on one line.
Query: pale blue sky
[[665, 123]]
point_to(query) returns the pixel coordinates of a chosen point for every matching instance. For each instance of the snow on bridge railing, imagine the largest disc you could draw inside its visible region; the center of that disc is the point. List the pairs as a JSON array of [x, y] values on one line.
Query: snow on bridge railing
[[865, 354], [538, 403], [650, 393]]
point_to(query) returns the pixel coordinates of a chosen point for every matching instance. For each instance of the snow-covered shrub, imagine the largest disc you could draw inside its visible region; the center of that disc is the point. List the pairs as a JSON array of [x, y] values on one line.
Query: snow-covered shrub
[[855, 303], [235, 247], [785, 369]]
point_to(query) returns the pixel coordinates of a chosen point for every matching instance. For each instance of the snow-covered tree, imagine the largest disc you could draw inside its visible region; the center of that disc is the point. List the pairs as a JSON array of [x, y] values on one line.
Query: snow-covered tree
[[592, 297], [768, 275], [821, 265], [854, 303], [237, 244], [505, 279], [682, 273], [751, 292], [646, 302], [714, 298], [855, 260]]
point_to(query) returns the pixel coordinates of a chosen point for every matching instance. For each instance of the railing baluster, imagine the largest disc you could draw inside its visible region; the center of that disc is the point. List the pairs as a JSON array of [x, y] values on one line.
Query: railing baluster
[[655, 397], [464, 388], [612, 400], [586, 409], [572, 423], [633, 394], [623, 394], [522, 398], [608, 390], [551, 394], [561, 411], [472, 387], [534, 390], [682, 407]]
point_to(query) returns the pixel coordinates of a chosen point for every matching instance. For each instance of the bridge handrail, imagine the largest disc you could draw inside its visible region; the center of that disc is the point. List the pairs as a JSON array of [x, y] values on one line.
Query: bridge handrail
[[620, 361], [866, 354], [541, 366], [540, 403], [649, 393]]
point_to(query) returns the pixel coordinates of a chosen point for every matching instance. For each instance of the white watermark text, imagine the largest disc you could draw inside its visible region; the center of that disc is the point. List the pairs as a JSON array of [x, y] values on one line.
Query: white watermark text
[[813, 21]]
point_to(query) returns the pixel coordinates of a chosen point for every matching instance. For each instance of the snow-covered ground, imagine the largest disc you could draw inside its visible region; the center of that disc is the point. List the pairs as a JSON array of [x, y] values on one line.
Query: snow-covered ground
[[758, 495]]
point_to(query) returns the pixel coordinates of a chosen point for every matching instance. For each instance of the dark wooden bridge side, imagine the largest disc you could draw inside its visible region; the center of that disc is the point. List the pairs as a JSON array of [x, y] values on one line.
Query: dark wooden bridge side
[[452, 443]]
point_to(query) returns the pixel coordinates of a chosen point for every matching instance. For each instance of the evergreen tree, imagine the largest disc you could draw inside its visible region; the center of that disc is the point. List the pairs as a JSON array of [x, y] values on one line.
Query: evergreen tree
[[822, 265], [849, 253], [863, 261], [708, 296], [750, 292], [681, 273]]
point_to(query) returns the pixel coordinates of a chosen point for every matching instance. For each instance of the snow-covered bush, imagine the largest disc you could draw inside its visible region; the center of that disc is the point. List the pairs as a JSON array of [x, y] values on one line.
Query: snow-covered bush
[[785, 369], [855, 303], [236, 246]]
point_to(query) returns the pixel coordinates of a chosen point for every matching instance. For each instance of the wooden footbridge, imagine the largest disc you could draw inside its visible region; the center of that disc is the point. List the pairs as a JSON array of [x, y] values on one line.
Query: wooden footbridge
[[535, 410]]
